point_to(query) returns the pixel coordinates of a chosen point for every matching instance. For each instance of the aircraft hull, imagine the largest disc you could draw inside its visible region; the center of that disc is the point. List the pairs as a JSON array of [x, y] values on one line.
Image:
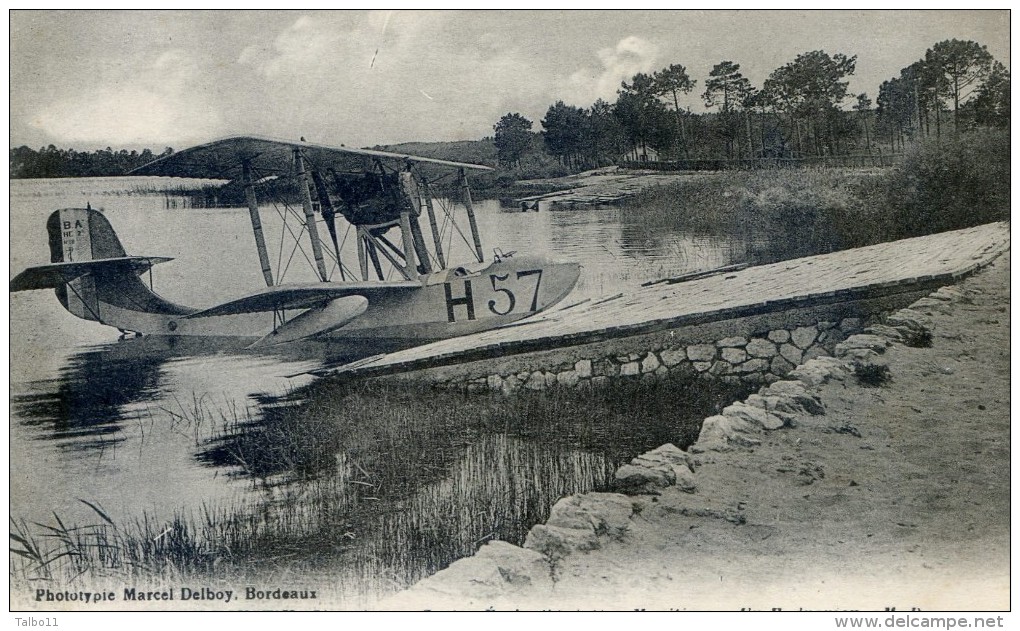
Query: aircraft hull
[[452, 303]]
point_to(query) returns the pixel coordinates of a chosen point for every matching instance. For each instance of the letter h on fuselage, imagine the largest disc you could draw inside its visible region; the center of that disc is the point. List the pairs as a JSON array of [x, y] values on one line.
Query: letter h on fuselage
[[467, 301]]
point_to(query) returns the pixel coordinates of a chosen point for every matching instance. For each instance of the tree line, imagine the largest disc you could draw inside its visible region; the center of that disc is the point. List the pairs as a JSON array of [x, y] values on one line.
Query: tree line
[[53, 162], [801, 110], [958, 85]]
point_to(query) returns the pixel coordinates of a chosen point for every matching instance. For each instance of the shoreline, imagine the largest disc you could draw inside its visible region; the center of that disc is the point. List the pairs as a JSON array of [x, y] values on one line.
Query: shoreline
[[897, 496]]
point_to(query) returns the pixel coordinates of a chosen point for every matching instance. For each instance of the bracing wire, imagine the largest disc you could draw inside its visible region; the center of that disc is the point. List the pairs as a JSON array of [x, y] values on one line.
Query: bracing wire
[[285, 229], [453, 222]]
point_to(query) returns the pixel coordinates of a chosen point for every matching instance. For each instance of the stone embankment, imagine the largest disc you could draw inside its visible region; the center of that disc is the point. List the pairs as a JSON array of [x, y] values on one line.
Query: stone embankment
[[567, 563], [763, 358]]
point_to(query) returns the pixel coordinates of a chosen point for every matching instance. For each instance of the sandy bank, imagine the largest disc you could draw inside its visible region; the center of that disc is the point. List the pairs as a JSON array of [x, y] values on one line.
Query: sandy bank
[[897, 496]]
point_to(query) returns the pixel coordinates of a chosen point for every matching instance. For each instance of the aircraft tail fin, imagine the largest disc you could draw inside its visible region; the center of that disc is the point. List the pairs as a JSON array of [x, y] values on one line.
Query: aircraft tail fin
[[88, 265], [81, 234]]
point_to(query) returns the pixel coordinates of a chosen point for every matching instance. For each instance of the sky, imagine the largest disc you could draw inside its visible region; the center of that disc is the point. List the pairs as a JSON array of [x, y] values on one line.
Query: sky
[[134, 79]]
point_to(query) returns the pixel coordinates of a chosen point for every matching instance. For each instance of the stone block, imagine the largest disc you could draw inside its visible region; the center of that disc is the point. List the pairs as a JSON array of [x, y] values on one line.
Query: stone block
[[650, 363], [733, 355], [606, 514], [519, 568], [724, 428], [667, 458], [874, 343], [630, 369], [948, 293], [641, 479], [820, 370], [583, 369], [732, 342], [702, 366], [480, 575], [568, 378], [784, 388], [803, 336], [779, 336], [754, 415], [701, 352], [495, 382], [673, 356], [510, 384], [759, 347], [910, 319], [850, 325], [720, 368], [816, 350], [757, 400], [757, 364], [882, 330], [555, 542], [791, 353], [789, 398], [536, 381], [780, 366]]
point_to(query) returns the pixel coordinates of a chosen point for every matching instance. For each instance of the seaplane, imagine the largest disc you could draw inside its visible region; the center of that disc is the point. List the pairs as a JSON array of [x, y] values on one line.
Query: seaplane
[[406, 292]]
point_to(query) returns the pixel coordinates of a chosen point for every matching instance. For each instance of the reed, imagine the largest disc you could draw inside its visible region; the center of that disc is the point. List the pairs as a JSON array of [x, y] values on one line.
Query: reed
[[369, 487], [942, 184], [826, 209]]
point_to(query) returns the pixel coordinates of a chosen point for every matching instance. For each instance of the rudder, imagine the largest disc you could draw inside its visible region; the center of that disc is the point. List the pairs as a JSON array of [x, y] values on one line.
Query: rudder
[[81, 234], [76, 235]]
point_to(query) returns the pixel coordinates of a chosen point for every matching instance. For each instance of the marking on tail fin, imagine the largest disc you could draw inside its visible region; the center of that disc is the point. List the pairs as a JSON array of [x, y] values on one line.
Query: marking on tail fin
[[74, 235]]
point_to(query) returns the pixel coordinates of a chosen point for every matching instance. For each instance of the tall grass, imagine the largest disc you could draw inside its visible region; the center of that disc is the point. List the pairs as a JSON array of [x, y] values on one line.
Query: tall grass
[[950, 183], [373, 486], [941, 185], [813, 209]]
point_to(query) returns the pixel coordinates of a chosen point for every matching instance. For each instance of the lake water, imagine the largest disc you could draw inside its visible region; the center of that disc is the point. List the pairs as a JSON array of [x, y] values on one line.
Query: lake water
[[127, 424]]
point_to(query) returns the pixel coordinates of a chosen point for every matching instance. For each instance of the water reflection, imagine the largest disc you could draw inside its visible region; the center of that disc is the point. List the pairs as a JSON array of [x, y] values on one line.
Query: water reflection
[[86, 401], [98, 390]]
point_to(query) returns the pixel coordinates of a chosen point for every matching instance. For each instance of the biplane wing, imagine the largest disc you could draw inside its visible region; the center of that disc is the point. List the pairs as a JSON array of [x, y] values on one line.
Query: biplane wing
[[56, 275], [302, 296], [375, 191], [223, 159]]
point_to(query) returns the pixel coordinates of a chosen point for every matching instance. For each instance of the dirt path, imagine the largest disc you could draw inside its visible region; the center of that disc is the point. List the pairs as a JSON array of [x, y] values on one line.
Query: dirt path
[[898, 496]]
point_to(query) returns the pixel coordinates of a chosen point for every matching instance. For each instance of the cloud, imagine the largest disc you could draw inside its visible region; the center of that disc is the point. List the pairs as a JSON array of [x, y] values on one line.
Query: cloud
[[630, 56], [160, 103], [385, 77]]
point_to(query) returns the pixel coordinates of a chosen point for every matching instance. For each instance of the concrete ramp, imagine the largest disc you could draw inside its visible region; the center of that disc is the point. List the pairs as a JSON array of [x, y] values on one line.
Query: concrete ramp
[[887, 269]]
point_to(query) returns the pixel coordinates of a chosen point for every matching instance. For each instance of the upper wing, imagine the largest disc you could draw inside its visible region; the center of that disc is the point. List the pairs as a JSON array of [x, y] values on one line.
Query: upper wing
[[57, 274], [302, 296], [221, 159]]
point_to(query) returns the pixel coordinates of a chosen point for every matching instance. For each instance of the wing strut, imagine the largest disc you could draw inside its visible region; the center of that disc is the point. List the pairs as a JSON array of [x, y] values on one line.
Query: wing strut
[[256, 221], [328, 216], [306, 202], [471, 216], [436, 240]]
